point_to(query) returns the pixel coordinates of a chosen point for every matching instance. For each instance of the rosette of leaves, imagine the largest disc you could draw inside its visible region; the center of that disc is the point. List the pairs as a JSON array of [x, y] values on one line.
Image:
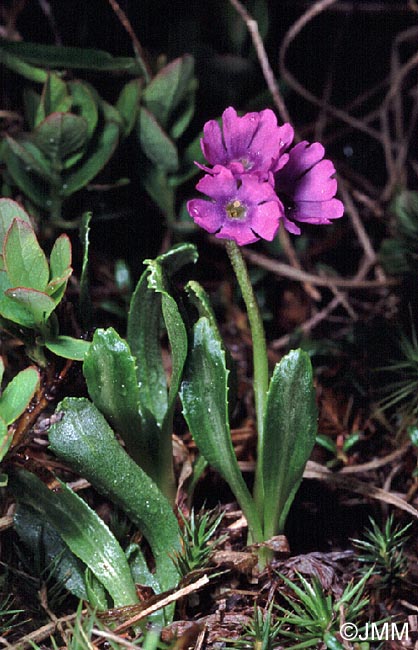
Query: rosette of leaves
[[131, 399], [14, 400], [31, 288], [72, 134]]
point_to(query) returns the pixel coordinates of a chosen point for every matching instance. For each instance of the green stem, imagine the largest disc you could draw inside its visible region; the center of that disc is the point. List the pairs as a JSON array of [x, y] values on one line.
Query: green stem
[[260, 362]]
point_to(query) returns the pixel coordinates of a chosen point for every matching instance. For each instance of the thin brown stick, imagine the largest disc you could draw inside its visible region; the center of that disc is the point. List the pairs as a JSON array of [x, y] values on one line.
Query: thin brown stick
[[294, 30], [271, 82], [284, 270], [294, 261], [138, 49], [171, 598], [42, 633], [308, 325]]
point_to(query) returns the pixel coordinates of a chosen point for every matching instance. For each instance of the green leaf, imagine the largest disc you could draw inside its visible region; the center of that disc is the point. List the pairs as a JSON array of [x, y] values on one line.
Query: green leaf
[[31, 101], [60, 135], [18, 393], [326, 443], [25, 260], [85, 306], [84, 440], [54, 56], [60, 258], [55, 97], [158, 281], [60, 268], [40, 537], [155, 143], [35, 188], [31, 157], [1, 370], [290, 430], [5, 442], [20, 66], [68, 347], [205, 408], [86, 535], [104, 148], [84, 104], [143, 334], [10, 309], [37, 305], [167, 89], [186, 115], [128, 104], [156, 183], [10, 210], [109, 369]]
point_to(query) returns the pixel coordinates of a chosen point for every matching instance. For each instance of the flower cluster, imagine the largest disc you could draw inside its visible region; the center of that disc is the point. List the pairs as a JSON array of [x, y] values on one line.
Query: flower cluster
[[256, 181]]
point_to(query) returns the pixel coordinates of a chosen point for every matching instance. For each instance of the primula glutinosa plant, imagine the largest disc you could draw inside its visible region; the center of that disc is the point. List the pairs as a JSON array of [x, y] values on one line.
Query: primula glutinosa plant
[[256, 184]]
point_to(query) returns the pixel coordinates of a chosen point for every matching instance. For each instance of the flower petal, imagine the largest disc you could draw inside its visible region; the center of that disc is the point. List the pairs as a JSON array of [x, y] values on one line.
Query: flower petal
[[253, 190], [212, 144], [220, 184], [239, 232], [238, 132], [302, 157], [265, 219], [316, 184], [206, 214], [317, 212]]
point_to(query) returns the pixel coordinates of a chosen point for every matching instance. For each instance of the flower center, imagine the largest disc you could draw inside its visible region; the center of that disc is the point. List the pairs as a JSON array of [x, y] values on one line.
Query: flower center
[[235, 210]]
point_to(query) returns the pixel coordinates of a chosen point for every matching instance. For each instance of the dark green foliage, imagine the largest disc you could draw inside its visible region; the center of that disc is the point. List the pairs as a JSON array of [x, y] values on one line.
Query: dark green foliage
[[384, 551], [197, 540]]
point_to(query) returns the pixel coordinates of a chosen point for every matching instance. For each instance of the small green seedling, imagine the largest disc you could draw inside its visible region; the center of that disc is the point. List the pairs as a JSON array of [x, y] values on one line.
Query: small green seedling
[[384, 550]]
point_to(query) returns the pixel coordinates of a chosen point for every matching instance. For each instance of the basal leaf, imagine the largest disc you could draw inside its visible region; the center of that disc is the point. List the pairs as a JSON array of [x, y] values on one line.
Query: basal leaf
[[86, 535], [158, 281], [40, 537], [24, 259], [18, 393], [205, 408], [155, 143], [109, 369], [84, 439], [68, 347], [143, 334], [290, 431]]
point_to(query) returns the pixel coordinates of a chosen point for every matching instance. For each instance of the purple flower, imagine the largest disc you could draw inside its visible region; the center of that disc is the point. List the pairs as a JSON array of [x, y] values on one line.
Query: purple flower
[[307, 188], [251, 143], [242, 208]]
